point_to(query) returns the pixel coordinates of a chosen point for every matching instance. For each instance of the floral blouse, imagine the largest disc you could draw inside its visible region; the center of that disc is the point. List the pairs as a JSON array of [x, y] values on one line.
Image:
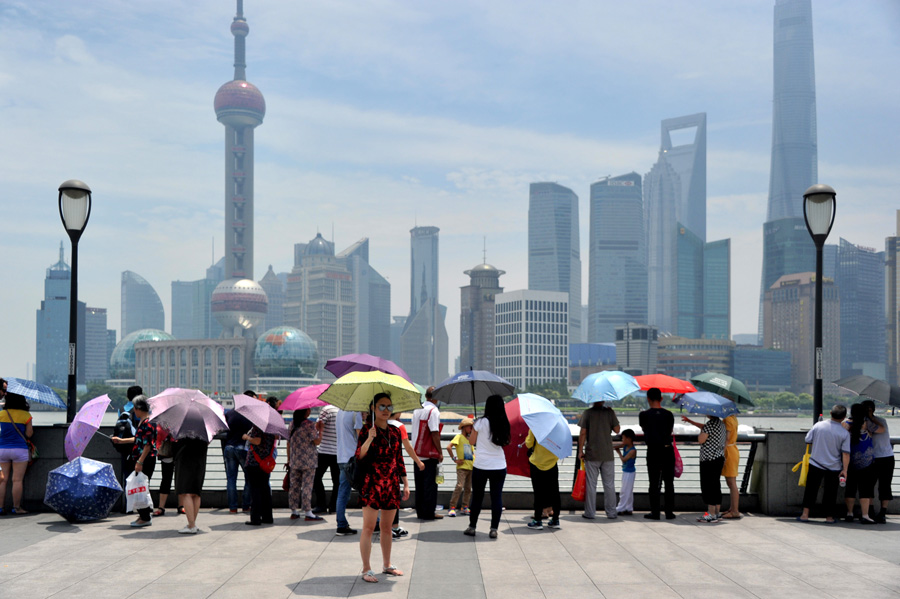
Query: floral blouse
[[263, 450], [145, 435], [304, 455]]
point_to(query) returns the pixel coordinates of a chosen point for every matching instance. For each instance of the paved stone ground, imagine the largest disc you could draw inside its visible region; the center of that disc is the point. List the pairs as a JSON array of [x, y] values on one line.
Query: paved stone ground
[[43, 556]]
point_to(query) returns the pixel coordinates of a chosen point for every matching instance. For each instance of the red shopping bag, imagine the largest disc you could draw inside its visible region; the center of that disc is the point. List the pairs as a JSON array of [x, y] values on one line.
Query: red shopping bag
[[679, 464], [578, 489]]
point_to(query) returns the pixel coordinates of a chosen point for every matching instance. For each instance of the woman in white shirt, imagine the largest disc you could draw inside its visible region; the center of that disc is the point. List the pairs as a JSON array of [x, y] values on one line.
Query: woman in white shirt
[[489, 435]]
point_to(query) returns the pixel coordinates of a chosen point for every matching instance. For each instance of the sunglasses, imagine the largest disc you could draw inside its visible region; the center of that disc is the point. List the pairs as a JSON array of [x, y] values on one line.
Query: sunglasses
[[385, 408]]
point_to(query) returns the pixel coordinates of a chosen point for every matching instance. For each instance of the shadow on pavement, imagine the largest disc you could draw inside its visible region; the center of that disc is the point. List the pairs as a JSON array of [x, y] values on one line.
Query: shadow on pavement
[[445, 536], [339, 586]]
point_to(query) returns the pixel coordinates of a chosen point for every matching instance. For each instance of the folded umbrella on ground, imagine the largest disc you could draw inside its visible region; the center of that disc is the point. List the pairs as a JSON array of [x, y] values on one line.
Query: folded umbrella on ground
[[82, 490]]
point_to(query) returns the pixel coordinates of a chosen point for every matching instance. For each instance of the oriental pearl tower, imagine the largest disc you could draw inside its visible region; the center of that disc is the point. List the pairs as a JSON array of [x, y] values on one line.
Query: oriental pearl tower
[[239, 303]]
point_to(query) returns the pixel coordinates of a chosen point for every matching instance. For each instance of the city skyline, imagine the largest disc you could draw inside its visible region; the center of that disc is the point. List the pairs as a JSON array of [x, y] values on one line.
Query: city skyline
[[392, 117]]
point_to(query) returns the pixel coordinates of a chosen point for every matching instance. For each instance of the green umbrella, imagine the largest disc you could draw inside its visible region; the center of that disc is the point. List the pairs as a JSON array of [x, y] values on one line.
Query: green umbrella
[[724, 385]]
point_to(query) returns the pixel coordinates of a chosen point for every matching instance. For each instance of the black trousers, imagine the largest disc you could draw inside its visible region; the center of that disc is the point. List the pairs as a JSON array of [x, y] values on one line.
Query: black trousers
[[711, 480], [480, 479], [426, 489], [147, 468], [168, 473], [327, 462], [545, 484], [661, 470], [814, 479], [261, 495]]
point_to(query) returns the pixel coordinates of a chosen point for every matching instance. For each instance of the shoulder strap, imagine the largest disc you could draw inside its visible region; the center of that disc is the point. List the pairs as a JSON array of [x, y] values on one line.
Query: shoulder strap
[[15, 428]]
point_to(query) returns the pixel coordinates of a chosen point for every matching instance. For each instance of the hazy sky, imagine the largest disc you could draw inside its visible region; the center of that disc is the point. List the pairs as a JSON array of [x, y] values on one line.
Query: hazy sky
[[384, 114]]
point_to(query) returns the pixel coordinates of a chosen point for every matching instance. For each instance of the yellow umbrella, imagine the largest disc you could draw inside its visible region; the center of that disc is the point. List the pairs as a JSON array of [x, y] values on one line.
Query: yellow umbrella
[[354, 391]]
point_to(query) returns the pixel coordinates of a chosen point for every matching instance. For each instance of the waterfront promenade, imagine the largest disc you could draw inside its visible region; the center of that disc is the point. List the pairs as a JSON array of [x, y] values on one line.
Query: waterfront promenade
[[43, 556]]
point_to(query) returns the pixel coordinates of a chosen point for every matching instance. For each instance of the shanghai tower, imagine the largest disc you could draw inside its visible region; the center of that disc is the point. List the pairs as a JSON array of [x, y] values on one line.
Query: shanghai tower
[[241, 108], [787, 246]]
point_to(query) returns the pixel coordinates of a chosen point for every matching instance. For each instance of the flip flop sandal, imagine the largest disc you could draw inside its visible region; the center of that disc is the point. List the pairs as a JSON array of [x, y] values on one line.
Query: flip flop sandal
[[371, 576], [731, 516], [159, 512], [392, 571]]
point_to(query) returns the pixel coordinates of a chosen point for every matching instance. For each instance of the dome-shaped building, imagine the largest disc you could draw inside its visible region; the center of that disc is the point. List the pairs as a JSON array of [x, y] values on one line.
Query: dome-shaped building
[[285, 352], [122, 361], [239, 305]]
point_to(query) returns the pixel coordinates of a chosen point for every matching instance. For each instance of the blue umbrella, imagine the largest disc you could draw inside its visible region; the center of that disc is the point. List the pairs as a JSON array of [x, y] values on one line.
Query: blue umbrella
[[472, 385], [82, 490], [609, 385], [709, 404], [547, 424], [35, 392]]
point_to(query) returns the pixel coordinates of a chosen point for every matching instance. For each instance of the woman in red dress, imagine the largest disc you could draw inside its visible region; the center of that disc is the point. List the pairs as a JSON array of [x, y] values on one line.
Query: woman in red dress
[[378, 452]]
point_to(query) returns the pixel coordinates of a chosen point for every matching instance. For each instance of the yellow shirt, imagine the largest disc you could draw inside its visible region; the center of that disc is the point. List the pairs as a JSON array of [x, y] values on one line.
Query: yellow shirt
[[542, 458], [464, 452]]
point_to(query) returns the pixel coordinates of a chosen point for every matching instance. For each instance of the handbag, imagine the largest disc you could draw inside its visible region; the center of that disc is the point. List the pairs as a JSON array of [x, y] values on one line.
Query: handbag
[[266, 464], [679, 463], [803, 466], [286, 483], [424, 447], [32, 450], [580, 486]]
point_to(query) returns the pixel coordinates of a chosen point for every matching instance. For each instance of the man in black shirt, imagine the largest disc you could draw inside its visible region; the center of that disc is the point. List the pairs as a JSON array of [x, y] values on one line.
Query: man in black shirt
[[657, 424]]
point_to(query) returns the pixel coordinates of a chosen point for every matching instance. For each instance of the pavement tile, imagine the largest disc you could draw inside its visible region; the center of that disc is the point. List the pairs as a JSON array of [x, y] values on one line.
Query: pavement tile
[[712, 591], [243, 590], [515, 590], [637, 591], [686, 571], [620, 572], [182, 591], [455, 591]]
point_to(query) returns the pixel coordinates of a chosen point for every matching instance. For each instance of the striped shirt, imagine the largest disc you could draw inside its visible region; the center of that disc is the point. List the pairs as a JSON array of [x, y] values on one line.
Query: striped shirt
[[328, 418]]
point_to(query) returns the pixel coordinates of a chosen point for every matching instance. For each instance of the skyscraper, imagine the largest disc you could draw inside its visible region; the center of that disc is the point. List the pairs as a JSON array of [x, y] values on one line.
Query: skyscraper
[[787, 246], [675, 228], [531, 343], [239, 106], [372, 295], [617, 284], [860, 281], [554, 249], [52, 331], [275, 291], [424, 342], [141, 306], [892, 304], [476, 318], [96, 345], [717, 289]]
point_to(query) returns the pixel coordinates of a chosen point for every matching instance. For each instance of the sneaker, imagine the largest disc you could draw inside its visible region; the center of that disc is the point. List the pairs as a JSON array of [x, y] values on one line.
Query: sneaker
[[246, 510], [234, 511], [670, 515], [707, 518], [141, 523], [493, 533], [652, 516], [345, 531], [400, 532], [452, 513], [554, 523], [535, 525], [313, 518], [719, 516], [469, 531], [465, 510], [187, 530], [295, 516]]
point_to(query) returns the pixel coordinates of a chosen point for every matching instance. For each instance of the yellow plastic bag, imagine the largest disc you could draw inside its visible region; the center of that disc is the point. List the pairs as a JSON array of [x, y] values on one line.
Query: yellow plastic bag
[[803, 466]]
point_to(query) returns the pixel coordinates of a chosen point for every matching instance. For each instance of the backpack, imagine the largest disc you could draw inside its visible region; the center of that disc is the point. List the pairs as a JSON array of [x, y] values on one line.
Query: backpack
[[123, 430]]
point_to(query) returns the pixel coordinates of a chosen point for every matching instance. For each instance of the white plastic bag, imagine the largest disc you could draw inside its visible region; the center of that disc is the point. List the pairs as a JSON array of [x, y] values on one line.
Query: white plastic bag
[[137, 492]]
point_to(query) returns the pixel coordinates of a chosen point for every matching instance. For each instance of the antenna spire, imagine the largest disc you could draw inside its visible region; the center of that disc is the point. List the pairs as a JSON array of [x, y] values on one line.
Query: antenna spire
[[240, 30], [484, 251]]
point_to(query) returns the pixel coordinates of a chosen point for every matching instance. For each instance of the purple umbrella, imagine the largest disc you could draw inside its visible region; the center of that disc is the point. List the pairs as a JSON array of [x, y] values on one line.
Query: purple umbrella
[[187, 413], [84, 425], [307, 397], [261, 415], [363, 363]]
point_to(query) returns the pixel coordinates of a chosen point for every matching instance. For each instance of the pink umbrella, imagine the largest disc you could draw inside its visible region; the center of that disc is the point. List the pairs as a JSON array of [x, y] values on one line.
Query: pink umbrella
[[261, 415], [187, 413], [363, 363], [84, 425], [306, 397]]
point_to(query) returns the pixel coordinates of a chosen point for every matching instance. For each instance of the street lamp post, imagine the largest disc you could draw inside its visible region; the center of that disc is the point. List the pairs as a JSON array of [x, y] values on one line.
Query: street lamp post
[[74, 210], [819, 207]]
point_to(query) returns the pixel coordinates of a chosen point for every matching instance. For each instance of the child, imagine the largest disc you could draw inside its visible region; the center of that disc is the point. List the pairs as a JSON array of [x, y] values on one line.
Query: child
[[628, 454], [463, 454]]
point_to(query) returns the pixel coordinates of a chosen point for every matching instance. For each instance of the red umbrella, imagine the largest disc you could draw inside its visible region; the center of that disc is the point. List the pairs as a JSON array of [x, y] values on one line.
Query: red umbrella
[[665, 383], [516, 457]]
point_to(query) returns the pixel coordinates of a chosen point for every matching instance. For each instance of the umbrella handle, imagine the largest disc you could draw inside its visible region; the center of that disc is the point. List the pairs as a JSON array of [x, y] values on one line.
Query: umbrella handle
[[103, 435]]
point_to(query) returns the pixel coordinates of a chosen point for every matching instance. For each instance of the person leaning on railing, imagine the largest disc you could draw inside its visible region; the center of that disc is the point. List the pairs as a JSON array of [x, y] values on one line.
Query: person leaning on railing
[[15, 430]]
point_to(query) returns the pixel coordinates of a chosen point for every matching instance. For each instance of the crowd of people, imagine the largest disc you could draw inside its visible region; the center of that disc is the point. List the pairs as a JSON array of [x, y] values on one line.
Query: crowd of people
[[365, 452]]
